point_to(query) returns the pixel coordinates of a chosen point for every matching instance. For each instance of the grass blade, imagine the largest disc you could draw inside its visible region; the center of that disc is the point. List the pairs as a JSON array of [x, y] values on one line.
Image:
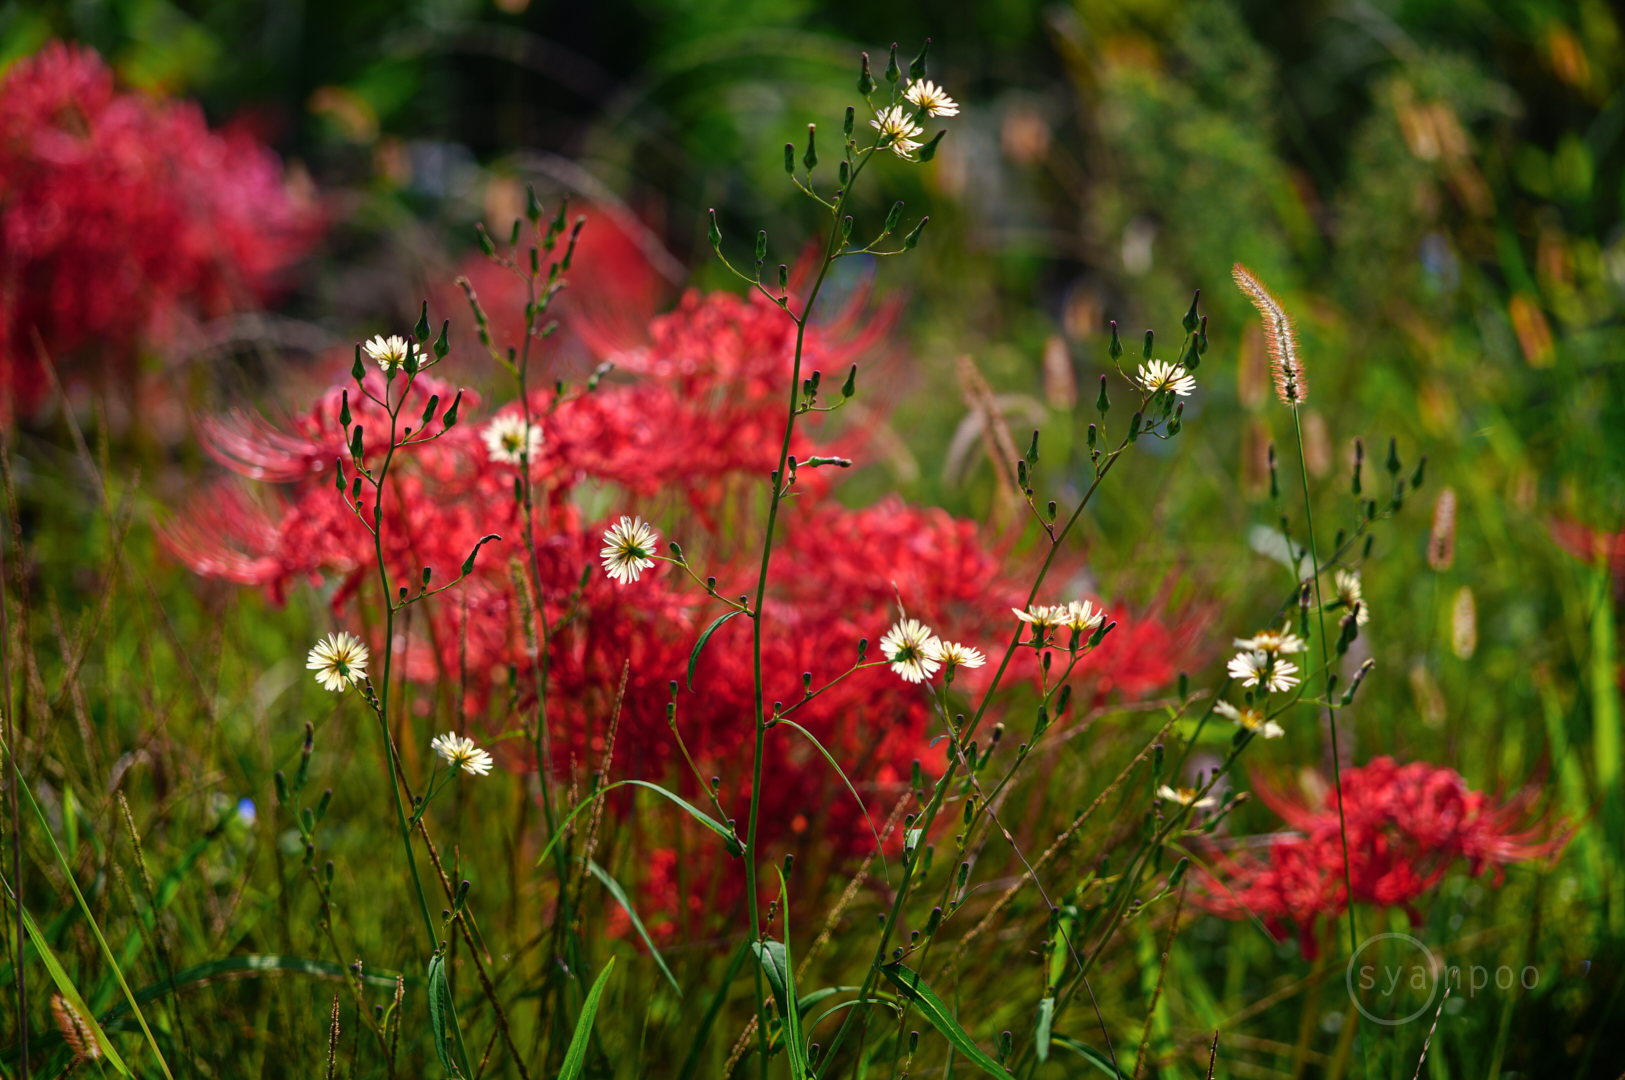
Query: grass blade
[[575, 1058], [911, 986], [1046, 1017], [65, 986], [695, 812], [67, 872], [620, 896], [1089, 1053], [692, 1062], [838, 772]]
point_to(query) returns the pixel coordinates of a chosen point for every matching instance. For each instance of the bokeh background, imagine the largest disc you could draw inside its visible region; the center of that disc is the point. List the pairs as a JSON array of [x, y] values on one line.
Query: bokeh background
[[1436, 190]]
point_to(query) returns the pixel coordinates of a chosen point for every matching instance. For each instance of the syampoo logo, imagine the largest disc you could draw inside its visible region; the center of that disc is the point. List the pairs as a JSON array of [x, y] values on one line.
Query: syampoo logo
[[1392, 979]]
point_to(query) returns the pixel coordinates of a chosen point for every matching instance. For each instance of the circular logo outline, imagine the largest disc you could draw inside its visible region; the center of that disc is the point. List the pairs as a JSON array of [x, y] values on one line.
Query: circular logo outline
[[1433, 970]]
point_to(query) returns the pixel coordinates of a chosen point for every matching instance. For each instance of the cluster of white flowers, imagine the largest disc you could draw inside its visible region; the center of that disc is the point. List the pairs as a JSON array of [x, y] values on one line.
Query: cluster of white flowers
[[510, 441], [1249, 718], [629, 547], [1079, 616], [1261, 660], [916, 654], [1352, 596], [899, 127], [461, 753]]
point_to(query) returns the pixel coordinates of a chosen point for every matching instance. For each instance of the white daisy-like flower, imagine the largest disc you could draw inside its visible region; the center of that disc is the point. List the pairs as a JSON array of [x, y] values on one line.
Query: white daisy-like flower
[[508, 440], [390, 352], [461, 753], [1250, 718], [1184, 796], [629, 546], [1251, 668], [954, 655], [1351, 594], [912, 649], [932, 98], [1157, 376], [897, 131], [339, 660], [1082, 616], [1273, 641]]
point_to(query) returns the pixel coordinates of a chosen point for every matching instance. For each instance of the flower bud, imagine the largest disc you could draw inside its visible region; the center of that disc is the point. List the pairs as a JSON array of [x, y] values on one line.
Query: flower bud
[[1134, 427], [358, 371], [916, 69], [1359, 677], [1032, 451], [450, 419], [790, 158], [933, 922], [307, 818], [533, 205], [1190, 320], [714, 232], [846, 226], [1156, 759], [1103, 404], [929, 150], [1146, 352], [429, 410], [894, 218], [784, 278], [421, 330], [1393, 456], [442, 345], [1116, 347], [1421, 469], [323, 803], [1201, 339], [893, 72], [281, 783], [846, 123], [810, 158], [866, 82], [1177, 873], [913, 238], [487, 246]]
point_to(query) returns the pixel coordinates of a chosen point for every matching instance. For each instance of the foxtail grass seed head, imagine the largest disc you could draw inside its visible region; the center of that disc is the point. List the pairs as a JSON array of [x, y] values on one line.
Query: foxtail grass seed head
[[1464, 624], [1280, 337], [339, 660], [628, 549], [898, 131], [76, 1032], [1250, 719], [390, 352], [1351, 594], [1159, 377], [931, 99], [461, 754], [510, 441], [911, 649], [1184, 797], [1442, 538], [1254, 668]]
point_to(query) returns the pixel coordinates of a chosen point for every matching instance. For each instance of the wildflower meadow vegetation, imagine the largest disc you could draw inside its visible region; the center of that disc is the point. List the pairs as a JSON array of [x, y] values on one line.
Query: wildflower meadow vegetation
[[1086, 543]]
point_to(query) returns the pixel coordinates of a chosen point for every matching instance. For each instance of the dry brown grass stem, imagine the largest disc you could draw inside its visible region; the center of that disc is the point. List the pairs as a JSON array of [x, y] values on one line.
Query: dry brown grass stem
[[851, 892], [1162, 975]]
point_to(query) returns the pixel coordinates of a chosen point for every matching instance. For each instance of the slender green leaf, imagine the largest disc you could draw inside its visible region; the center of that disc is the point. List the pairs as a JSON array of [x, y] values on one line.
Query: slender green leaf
[[67, 872], [1046, 1017], [1089, 1053], [575, 1058], [619, 894], [807, 1001], [935, 1011], [439, 995], [695, 812], [694, 657], [838, 772], [65, 986], [692, 1063]]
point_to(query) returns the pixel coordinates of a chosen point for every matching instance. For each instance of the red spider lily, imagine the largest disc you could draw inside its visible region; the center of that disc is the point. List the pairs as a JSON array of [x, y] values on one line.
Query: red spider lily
[[1406, 824], [120, 213], [680, 441]]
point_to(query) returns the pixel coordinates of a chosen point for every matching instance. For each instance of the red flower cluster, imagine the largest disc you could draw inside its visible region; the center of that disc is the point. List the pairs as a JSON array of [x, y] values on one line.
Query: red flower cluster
[[119, 212], [1406, 825], [685, 441]]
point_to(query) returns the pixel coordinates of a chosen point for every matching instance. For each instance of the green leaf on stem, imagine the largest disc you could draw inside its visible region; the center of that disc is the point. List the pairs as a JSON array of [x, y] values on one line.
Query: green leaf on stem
[[937, 1013], [575, 1058], [695, 812], [1089, 1054], [439, 999], [468, 563], [619, 894], [1046, 1016], [838, 772], [699, 646]]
